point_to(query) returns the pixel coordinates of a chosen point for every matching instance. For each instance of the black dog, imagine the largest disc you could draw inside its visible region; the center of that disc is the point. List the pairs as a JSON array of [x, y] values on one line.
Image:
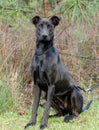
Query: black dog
[[51, 76]]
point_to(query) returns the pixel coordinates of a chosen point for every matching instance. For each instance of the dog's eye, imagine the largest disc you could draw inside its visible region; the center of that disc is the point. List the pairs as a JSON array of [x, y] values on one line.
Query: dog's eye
[[41, 25], [48, 26]]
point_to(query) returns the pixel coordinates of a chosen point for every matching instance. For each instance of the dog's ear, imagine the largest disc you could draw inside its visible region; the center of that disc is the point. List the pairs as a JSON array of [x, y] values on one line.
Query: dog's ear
[[35, 20], [55, 20]]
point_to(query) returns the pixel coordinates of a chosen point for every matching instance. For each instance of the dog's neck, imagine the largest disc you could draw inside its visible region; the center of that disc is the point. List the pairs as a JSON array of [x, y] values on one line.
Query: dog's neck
[[42, 47]]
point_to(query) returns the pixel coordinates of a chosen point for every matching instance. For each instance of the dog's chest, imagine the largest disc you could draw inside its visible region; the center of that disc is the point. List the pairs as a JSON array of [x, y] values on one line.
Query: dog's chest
[[44, 69], [40, 69], [40, 65]]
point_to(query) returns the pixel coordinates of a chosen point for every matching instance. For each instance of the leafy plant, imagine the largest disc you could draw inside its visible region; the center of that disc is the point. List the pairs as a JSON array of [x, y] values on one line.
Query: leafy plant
[[78, 10]]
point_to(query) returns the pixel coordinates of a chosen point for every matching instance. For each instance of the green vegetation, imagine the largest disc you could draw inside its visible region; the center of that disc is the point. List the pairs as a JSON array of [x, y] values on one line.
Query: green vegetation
[[6, 102], [72, 10], [86, 120], [78, 10]]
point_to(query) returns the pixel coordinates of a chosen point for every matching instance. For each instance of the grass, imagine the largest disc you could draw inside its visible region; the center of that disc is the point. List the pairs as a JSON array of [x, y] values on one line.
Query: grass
[[6, 102], [86, 120]]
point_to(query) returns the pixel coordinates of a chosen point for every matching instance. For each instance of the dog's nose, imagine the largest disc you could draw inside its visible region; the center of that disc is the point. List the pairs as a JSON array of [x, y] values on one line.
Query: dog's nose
[[44, 36]]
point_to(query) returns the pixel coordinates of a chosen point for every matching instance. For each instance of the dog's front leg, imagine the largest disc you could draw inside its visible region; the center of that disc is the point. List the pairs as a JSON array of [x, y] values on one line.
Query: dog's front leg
[[47, 107], [36, 99]]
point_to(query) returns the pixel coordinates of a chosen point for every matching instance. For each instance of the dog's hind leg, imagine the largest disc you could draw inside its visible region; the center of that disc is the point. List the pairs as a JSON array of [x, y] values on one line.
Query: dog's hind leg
[[57, 110], [75, 104]]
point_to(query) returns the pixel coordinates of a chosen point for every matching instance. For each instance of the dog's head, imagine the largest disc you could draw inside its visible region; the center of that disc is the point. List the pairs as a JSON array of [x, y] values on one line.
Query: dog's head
[[45, 27]]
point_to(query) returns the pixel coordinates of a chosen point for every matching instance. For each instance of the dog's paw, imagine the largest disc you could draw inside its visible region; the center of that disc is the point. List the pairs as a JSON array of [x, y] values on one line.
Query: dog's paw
[[30, 124], [42, 126], [68, 118]]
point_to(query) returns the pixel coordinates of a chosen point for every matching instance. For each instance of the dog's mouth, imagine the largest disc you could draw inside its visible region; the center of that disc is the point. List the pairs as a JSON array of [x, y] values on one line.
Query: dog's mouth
[[45, 39]]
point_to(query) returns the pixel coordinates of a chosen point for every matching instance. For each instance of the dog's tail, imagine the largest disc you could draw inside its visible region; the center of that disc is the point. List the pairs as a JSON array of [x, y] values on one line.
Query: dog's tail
[[87, 106]]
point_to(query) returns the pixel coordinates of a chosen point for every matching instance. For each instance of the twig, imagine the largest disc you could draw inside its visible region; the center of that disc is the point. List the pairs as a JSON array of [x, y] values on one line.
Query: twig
[[22, 10], [62, 31], [83, 57], [92, 88]]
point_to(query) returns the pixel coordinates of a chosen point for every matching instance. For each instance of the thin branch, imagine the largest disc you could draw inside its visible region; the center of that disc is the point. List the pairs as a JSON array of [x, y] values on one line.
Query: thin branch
[[22, 10], [78, 56]]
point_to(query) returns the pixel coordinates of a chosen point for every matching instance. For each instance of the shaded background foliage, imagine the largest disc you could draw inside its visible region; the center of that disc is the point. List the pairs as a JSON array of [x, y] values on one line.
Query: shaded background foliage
[[76, 38]]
